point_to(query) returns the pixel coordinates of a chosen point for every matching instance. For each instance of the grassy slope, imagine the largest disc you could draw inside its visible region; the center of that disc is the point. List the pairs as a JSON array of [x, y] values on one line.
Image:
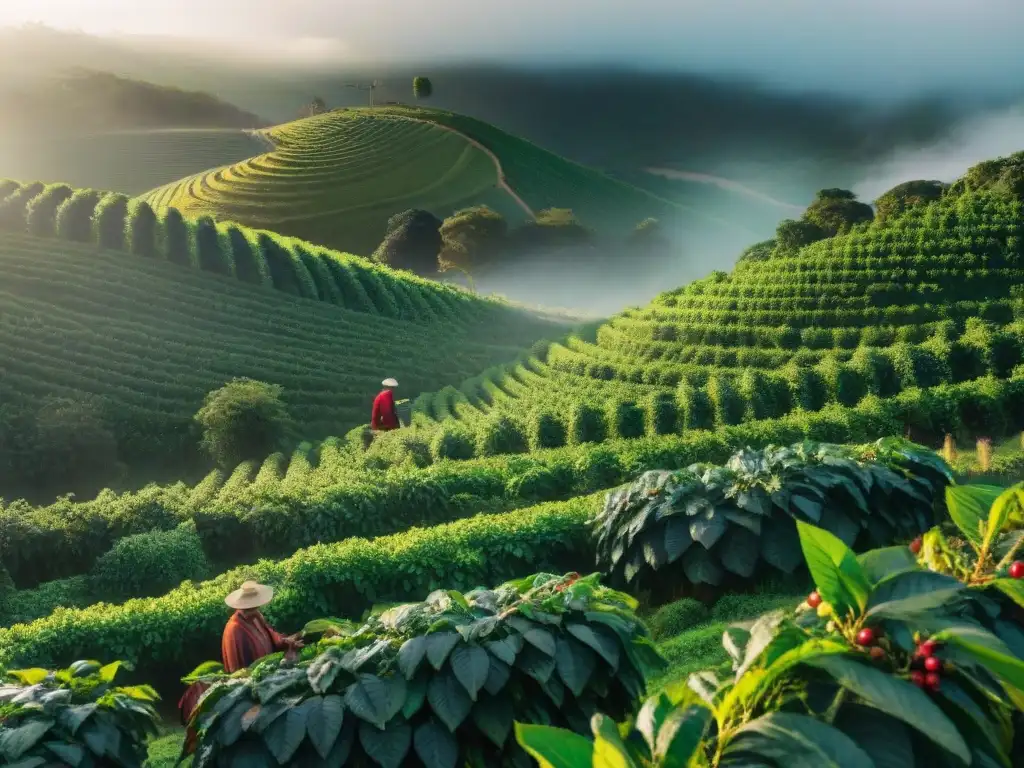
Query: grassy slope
[[336, 178], [152, 338], [836, 311]]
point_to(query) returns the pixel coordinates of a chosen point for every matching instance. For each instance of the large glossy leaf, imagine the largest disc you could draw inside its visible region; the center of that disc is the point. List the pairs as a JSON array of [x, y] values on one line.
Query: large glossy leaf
[[708, 528], [411, 654], [739, 551], [837, 522], [911, 592], [837, 574], [72, 754], [435, 746], [448, 699], [609, 751], [493, 715], [575, 663], [323, 671], [702, 567], [762, 633], [323, 723], [554, 747], [885, 740], [989, 651], [471, 664], [1006, 504], [230, 725], [497, 677], [886, 561], [541, 639], [650, 718], [677, 539], [376, 699], [680, 735], [536, 664], [1012, 588], [600, 640], [389, 747], [284, 737], [439, 645], [72, 718], [795, 741], [780, 544], [897, 698], [16, 741], [969, 506]]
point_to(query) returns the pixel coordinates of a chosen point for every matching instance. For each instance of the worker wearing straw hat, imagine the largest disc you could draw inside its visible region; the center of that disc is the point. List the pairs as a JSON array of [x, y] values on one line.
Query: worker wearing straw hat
[[385, 416], [246, 639]]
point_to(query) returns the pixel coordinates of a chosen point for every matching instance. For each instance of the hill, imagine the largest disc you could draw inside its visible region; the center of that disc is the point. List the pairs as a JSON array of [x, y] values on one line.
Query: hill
[[142, 340], [908, 307], [313, 184], [95, 129]]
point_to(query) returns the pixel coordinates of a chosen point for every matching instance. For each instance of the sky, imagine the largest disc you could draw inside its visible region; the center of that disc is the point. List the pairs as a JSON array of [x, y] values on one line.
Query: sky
[[854, 46]]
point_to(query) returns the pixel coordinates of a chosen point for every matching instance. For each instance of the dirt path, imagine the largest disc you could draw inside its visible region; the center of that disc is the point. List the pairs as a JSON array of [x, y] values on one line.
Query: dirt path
[[733, 186], [502, 183]]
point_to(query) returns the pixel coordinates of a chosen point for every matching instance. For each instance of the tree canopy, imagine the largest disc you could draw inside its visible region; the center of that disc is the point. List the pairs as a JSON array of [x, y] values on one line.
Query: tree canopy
[[422, 88], [907, 195], [412, 242]]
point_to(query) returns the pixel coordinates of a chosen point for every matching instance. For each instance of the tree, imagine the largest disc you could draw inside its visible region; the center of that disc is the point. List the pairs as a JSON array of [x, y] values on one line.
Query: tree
[[245, 419], [210, 252], [552, 228], [412, 242], [74, 447], [316, 107], [907, 195], [422, 88], [247, 262], [836, 211], [791, 235], [472, 236], [1004, 175], [758, 251]]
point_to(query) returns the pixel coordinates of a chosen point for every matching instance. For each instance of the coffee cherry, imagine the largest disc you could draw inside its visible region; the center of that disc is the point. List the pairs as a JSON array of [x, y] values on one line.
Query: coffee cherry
[[877, 653], [1017, 570], [932, 664], [915, 545], [814, 599], [866, 636], [932, 681], [917, 678], [927, 648]]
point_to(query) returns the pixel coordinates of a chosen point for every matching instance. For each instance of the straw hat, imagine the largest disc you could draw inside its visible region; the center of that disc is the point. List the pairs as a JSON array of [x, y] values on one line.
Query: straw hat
[[389, 383], [251, 595]]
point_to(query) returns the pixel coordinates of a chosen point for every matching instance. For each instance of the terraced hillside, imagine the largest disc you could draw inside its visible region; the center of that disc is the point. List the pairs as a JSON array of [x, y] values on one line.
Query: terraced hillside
[[336, 178], [151, 338], [131, 161], [924, 302]]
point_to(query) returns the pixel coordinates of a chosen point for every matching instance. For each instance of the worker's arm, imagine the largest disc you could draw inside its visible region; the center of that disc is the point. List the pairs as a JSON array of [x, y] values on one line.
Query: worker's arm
[[375, 414]]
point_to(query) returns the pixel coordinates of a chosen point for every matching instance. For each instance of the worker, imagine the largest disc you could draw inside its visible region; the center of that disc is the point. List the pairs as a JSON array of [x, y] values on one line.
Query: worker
[[247, 638], [384, 416]]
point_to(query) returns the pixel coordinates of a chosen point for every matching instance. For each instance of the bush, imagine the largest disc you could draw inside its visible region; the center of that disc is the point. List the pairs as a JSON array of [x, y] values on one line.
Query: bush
[[546, 430], [412, 242], [174, 241], [75, 716], [677, 617], [74, 448], [452, 440], [695, 407], [13, 207], [586, 424], [599, 468], [140, 231], [108, 221], [446, 677], [244, 419], [500, 434], [728, 406], [249, 267], [74, 216], [209, 250], [41, 212], [626, 419], [149, 564], [662, 414], [732, 517], [398, 448]]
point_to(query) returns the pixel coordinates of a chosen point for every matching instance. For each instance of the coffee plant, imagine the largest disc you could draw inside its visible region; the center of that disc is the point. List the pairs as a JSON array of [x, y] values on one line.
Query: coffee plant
[[438, 682], [705, 521], [74, 717]]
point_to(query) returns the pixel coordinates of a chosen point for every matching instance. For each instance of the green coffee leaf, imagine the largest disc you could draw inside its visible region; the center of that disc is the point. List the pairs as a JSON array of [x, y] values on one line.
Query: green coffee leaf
[[839, 578], [554, 747]]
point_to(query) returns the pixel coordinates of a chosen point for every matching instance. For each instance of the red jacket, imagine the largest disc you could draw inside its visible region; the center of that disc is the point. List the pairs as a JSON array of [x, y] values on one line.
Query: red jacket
[[384, 415]]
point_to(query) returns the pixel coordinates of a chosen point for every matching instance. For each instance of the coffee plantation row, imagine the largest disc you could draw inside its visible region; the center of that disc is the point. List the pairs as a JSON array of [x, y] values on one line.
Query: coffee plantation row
[[256, 257], [253, 514], [908, 656]]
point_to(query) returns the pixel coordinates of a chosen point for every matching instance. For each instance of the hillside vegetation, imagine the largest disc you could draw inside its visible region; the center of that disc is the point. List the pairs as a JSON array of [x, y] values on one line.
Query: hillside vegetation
[[912, 306], [336, 178], [164, 312]]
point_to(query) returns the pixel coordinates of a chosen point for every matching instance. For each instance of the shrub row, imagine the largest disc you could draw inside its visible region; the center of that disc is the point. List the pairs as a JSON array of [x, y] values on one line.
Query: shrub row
[[168, 635]]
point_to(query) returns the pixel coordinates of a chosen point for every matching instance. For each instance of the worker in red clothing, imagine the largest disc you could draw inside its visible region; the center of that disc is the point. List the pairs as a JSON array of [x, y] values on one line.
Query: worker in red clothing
[[385, 416]]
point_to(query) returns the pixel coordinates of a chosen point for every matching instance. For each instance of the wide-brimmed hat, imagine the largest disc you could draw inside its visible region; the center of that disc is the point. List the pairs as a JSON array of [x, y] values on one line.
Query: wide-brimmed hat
[[389, 383], [250, 595]]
